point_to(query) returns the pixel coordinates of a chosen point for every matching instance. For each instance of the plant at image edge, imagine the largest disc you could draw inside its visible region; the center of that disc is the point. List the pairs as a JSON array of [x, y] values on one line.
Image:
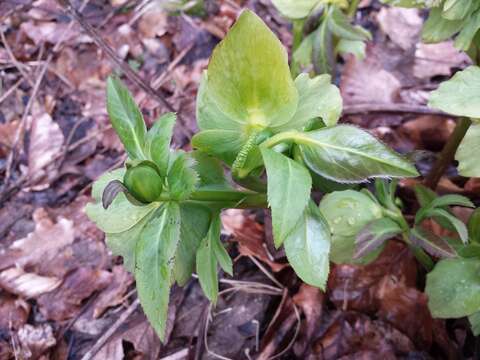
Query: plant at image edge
[[161, 212]]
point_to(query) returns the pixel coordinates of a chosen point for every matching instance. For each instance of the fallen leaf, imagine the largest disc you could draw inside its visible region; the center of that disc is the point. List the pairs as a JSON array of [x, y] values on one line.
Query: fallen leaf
[[403, 26], [36, 340], [14, 312], [29, 285], [114, 293], [438, 60]]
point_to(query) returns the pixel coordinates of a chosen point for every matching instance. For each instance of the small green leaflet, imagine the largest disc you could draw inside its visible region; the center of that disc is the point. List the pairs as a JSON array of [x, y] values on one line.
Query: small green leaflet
[[307, 247], [295, 9], [437, 28], [126, 118], [240, 75], [464, 40], [224, 144], [457, 224], [157, 146], [355, 47], [460, 95], [289, 186], [322, 49], [374, 235], [182, 178], [193, 228], [474, 226], [317, 98], [340, 25], [467, 152], [155, 255], [209, 253], [347, 154], [453, 288], [210, 172]]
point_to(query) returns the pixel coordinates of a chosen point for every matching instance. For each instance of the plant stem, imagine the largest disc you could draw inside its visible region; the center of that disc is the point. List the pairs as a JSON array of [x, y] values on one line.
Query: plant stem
[[353, 8], [279, 138], [448, 153], [297, 33], [420, 255], [230, 199]]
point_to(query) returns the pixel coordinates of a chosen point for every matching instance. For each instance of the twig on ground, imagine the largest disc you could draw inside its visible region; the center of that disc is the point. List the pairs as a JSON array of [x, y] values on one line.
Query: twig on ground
[[11, 90], [109, 333], [18, 65]]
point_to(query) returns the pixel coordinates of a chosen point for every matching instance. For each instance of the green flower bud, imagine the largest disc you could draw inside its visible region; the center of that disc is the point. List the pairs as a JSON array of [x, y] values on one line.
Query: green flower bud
[[144, 182]]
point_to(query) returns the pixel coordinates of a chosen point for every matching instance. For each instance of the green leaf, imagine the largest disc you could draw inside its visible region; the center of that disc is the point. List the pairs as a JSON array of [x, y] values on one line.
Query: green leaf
[[322, 49], [442, 202], [209, 116], [453, 288], [126, 118], [374, 235], [210, 172], [307, 247], [357, 48], [349, 211], [182, 178], [456, 9], [123, 244], [474, 226], [194, 227], [340, 25], [464, 40], [289, 186], [424, 195], [223, 144], [432, 244], [207, 261], [302, 56], [437, 28], [459, 226], [248, 75], [157, 146], [347, 154], [221, 253], [467, 152], [460, 95], [408, 3], [121, 215], [155, 254], [317, 98], [474, 320], [297, 9]]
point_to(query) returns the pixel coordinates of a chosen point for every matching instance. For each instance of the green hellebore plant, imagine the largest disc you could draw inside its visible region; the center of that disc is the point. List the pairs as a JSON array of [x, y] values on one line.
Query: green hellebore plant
[[335, 33], [162, 213]]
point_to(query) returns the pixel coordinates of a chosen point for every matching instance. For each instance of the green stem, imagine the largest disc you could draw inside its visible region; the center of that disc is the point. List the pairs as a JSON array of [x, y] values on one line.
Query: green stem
[[353, 8], [230, 199], [448, 153], [297, 33], [280, 138]]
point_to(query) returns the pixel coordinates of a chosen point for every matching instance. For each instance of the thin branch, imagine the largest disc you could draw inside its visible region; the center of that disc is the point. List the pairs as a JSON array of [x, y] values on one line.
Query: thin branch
[[109, 333], [359, 109]]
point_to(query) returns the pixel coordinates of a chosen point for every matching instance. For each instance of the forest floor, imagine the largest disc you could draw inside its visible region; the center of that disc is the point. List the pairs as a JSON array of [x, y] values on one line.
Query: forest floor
[[64, 296]]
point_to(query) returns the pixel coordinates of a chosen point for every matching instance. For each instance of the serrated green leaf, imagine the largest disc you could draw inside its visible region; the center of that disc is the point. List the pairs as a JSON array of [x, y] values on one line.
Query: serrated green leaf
[[194, 227], [297, 9], [474, 226], [474, 320], [340, 25], [432, 244], [322, 49], [157, 146], [467, 152], [460, 95], [289, 186], [437, 28], [307, 247], [182, 178], [374, 235], [223, 144], [248, 75], [453, 288], [207, 261], [126, 118], [317, 98], [347, 154], [210, 171], [459, 226], [121, 215], [155, 254], [123, 244], [348, 211]]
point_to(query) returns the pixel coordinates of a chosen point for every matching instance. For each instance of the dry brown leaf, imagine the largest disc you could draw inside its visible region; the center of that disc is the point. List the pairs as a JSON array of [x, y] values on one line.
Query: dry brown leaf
[[13, 312], [402, 26], [49, 31], [29, 285], [366, 81], [153, 22], [7, 136], [113, 295], [36, 340], [438, 59]]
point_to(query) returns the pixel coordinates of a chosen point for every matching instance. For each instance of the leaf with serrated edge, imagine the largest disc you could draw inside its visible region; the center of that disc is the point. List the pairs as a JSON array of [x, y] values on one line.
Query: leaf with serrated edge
[[431, 243], [126, 118], [347, 154], [241, 73], [289, 186], [453, 288], [307, 247], [372, 236], [182, 178], [158, 142], [155, 253], [223, 144]]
